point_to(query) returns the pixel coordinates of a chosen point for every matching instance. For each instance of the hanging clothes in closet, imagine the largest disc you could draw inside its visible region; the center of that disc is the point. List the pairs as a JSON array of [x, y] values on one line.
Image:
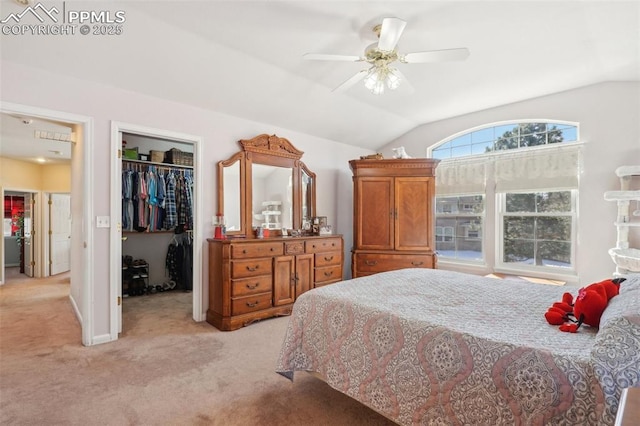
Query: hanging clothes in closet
[[179, 262], [156, 198]]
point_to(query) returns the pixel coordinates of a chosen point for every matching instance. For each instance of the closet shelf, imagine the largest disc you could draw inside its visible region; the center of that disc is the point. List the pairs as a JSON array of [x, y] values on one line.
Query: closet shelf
[[622, 195], [153, 163]]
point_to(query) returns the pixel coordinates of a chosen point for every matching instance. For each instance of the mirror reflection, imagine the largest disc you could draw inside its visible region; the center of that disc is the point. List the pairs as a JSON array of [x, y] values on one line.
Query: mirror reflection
[[272, 203], [267, 186], [232, 192], [306, 197]]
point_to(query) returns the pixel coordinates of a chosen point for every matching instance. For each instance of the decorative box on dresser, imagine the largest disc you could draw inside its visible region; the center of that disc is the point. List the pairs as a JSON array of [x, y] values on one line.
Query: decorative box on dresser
[[253, 279], [393, 221]]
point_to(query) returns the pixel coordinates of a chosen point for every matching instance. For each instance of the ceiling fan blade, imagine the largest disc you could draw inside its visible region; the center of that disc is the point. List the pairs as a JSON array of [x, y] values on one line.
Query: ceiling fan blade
[[436, 56], [390, 33], [323, 57], [351, 81]]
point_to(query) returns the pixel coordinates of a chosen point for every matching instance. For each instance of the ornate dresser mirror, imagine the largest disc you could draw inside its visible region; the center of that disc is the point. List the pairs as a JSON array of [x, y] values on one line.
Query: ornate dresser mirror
[[265, 185]]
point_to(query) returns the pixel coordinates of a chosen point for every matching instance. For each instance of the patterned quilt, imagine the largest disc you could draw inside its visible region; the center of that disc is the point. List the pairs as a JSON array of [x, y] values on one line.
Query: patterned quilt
[[425, 346]]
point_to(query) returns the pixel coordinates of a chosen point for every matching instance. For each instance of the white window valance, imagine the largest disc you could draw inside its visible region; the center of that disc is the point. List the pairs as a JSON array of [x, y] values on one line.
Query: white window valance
[[538, 169], [461, 177]]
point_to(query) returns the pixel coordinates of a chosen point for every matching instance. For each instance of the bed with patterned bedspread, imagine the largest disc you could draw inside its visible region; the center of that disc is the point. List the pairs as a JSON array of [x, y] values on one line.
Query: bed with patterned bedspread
[[425, 346]]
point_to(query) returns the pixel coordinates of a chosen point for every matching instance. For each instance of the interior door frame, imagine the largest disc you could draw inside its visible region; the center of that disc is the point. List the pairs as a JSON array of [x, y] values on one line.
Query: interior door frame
[[82, 231], [36, 224], [117, 129]]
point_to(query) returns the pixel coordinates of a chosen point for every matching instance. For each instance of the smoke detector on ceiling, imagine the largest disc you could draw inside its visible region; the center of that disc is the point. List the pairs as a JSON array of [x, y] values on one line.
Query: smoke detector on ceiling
[[27, 121]]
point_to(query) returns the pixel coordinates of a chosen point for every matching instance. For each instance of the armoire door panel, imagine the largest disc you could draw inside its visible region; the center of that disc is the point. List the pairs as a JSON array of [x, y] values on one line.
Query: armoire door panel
[[375, 212], [413, 222]]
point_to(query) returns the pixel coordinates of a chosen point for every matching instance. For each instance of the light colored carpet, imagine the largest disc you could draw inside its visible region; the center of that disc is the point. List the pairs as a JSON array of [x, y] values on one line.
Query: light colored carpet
[[164, 370]]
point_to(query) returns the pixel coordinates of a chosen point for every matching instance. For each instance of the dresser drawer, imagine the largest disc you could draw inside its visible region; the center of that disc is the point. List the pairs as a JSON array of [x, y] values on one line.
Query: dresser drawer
[[328, 273], [322, 245], [244, 305], [366, 262], [327, 259], [247, 286], [251, 267], [294, 247], [243, 251]]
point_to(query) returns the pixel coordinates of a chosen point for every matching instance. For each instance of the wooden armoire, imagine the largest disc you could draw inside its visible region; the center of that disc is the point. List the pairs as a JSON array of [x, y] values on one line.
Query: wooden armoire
[[393, 215]]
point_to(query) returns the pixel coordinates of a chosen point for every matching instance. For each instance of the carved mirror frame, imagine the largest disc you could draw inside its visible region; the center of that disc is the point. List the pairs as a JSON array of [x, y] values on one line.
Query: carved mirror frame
[[275, 151]]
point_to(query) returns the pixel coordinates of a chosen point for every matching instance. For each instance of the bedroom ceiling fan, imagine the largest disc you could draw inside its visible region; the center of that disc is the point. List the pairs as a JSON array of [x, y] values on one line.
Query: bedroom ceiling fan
[[382, 56]]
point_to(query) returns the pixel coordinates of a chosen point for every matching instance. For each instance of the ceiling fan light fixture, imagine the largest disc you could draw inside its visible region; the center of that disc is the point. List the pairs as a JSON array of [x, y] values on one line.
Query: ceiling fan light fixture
[[379, 77], [374, 81], [381, 55], [393, 79]]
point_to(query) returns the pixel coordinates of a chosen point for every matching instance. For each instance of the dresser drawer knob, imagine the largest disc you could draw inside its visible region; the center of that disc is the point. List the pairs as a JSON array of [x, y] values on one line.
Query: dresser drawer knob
[[255, 268], [328, 259], [314, 246], [371, 262], [252, 286], [271, 249], [328, 274], [252, 305], [244, 251], [415, 263]]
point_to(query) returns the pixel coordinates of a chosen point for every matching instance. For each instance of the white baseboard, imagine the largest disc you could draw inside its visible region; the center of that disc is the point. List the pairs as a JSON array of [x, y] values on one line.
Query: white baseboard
[[76, 310], [97, 340]]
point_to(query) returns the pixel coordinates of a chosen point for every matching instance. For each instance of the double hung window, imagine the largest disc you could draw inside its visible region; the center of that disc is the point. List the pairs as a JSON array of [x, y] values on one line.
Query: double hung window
[[506, 197]]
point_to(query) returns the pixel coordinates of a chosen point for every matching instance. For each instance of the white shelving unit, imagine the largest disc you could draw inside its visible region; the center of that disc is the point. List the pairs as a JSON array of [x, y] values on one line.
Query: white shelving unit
[[627, 259], [271, 213]]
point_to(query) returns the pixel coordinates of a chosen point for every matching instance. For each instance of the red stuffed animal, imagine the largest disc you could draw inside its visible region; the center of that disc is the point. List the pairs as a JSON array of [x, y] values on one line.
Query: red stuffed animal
[[587, 307]]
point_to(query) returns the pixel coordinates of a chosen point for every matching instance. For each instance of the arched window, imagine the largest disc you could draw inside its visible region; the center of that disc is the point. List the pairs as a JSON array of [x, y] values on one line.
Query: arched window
[[504, 136], [506, 197]]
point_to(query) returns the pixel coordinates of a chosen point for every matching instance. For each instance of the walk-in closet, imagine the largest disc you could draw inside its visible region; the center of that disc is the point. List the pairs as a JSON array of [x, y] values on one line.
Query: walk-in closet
[[157, 220]]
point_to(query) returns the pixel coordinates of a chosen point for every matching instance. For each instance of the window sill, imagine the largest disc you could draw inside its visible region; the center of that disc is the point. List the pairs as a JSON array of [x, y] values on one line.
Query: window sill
[[569, 277]]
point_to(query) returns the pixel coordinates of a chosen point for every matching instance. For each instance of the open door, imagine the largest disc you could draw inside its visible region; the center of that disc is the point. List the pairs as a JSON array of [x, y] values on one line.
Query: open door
[[60, 232], [27, 235]]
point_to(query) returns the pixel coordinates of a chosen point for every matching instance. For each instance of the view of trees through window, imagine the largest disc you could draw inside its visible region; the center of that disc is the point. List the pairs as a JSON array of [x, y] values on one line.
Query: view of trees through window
[[537, 228], [504, 137], [534, 221]]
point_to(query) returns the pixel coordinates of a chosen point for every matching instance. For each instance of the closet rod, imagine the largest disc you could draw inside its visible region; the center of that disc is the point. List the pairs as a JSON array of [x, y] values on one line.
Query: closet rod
[[150, 163]]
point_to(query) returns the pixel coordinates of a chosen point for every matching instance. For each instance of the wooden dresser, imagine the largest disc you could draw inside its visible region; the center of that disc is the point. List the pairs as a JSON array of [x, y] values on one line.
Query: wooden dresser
[[253, 279], [393, 218]]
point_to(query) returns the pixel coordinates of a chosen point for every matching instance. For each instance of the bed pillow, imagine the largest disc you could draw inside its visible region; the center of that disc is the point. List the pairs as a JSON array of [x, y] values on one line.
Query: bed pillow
[[616, 351], [632, 283], [625, 305]]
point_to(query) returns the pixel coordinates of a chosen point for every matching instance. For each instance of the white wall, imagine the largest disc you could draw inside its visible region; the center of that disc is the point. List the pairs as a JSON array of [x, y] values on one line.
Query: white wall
[[608, 115], [328, 159]]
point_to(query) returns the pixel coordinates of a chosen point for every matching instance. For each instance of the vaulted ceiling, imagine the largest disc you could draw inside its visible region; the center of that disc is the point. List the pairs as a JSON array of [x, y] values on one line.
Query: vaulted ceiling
[[244, 58]]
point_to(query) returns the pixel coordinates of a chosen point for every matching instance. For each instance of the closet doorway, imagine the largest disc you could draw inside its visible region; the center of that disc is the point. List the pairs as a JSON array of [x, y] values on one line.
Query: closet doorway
[[156, 247]]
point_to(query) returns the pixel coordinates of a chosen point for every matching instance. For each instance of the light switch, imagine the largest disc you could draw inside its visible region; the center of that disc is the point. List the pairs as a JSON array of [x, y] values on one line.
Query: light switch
[[102, 221]]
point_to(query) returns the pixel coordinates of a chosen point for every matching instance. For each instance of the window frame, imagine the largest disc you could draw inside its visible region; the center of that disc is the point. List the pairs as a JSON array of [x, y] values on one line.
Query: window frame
[[492, 234], [544, 271], [493, 125], [462, 214]]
